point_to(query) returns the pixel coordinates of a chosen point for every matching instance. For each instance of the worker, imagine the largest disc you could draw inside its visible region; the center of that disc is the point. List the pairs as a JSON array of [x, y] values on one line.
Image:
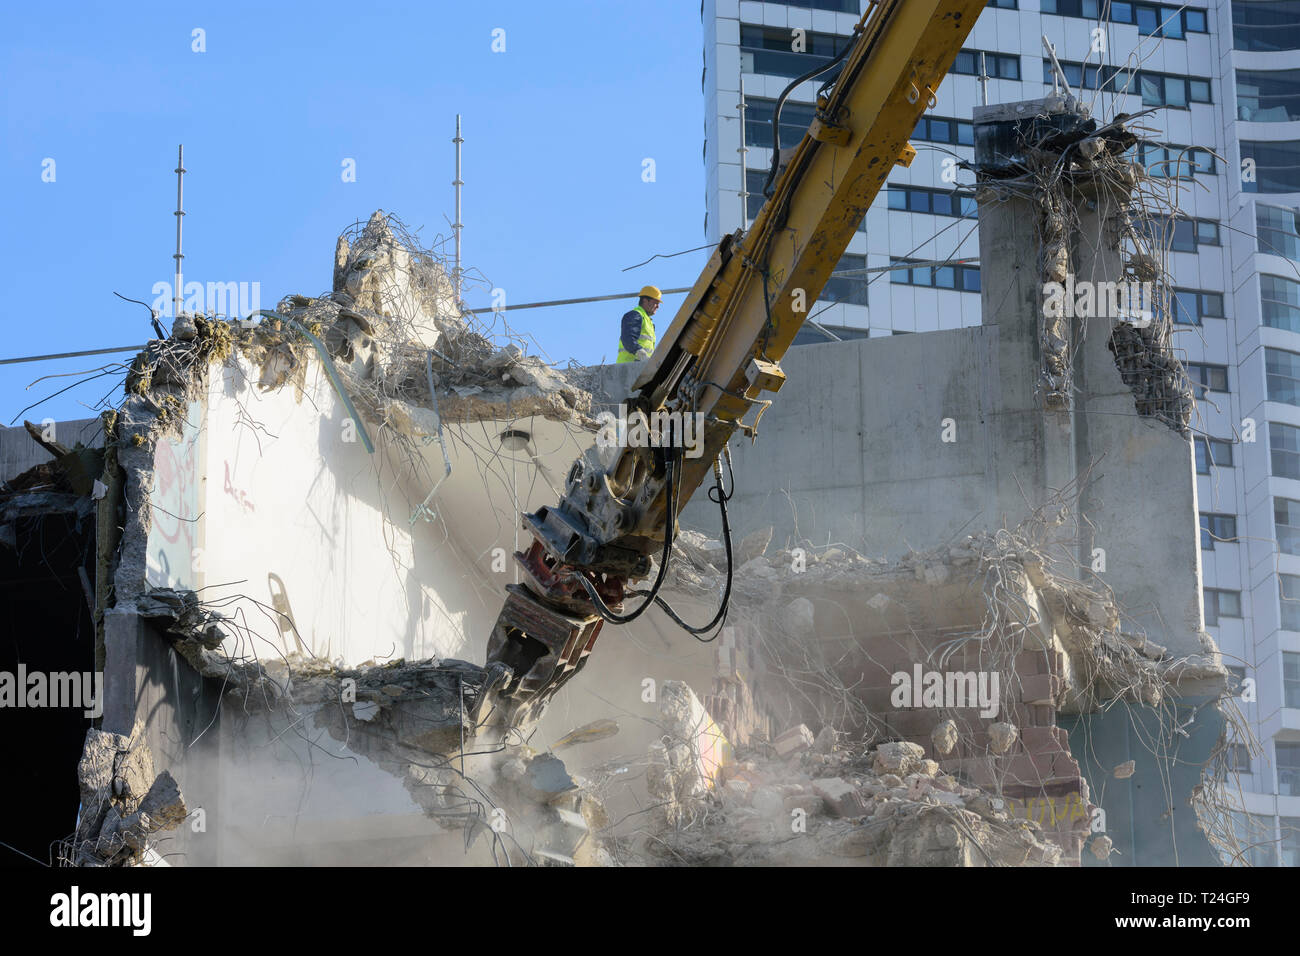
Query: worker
[[637, 338]]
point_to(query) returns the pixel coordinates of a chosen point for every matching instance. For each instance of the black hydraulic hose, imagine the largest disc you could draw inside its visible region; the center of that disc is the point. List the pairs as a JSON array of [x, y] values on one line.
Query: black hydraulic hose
[[720, 618], [776, 114], [599, 602]]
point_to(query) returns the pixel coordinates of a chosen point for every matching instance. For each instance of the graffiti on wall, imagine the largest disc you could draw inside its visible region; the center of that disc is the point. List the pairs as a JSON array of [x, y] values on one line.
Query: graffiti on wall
[[174, 557]]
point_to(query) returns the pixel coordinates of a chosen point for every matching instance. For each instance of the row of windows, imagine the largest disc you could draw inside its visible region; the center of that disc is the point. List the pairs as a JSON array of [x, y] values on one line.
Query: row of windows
[[1278, 230], [939, 202], [1274, 167], [1156, 89], [775, 51], [1282, 375], [1284, 450], [1152, 19], [960, 277], [999, 66], [1268, 96], [1286, 525], [1174, 162], [1182, 233], [1288, 592], [941, 129], [1280, 302], [1266, 25], [1256, 841]]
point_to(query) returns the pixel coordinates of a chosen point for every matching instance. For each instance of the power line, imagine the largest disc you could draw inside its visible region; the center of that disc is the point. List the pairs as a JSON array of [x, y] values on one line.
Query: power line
[[63, 355]]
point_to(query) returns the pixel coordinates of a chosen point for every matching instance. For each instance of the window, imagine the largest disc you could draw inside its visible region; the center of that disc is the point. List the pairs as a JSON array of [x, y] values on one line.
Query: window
[[1282, 374], [1238, 758], [835, 6], [1092, 76], [1236, 677], [1220, 603], [1000, 66], [1286, 524], [1268, 96], [939, 202], [1169, 21], [1217, 527], [1174, 162], [1280, 299], [1288, 589], [1290, 679], [1004, 4], [770, 50], [1181, 234], [1255, 840], [1211, 451], [1276, 166], [1284, 446], [813, 334], [962, 278], [795, 120], [1207, 378], [850, 289], [1165, 89], [1290, 846], [941, 129], [1266, 25], [1288, 768], [1191, 306], [1278, 230]]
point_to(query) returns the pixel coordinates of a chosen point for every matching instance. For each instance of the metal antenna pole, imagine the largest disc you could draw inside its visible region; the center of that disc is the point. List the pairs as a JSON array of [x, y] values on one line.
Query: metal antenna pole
[[984, 80], [177, 296], [457, 226], [744, 172]]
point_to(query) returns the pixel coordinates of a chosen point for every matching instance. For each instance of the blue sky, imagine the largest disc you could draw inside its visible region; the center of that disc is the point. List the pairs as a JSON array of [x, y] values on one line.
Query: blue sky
[[556, 129]]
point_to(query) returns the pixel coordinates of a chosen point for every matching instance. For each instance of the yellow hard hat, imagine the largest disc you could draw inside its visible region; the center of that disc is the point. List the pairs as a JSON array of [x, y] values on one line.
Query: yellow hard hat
[[651, 292]]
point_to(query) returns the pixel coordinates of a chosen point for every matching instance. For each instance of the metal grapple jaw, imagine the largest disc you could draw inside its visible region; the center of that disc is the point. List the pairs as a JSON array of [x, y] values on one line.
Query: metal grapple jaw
[[533, 651]]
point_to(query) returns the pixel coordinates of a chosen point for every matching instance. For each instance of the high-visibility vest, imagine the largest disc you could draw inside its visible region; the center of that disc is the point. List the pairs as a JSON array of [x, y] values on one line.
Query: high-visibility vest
[[645, 338]]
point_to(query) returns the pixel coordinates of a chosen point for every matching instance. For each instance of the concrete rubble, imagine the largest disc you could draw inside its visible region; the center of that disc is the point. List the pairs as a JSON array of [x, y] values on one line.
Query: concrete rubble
[[124, 803]]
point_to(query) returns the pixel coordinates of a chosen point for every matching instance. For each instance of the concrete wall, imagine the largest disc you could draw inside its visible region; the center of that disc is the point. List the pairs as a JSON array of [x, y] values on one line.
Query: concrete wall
[[18, 452], [910, 442]]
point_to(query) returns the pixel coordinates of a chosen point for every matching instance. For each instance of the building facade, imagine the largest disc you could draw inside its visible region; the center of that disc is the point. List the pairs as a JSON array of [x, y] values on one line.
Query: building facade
[[1223, 143]]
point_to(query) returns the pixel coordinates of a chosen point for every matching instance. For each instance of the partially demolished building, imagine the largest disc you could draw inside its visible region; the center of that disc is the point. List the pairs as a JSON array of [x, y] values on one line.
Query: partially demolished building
[[295, 537]]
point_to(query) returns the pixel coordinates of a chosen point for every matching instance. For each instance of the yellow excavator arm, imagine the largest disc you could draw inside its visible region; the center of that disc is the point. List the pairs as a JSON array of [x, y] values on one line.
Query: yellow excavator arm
[[721, 352]]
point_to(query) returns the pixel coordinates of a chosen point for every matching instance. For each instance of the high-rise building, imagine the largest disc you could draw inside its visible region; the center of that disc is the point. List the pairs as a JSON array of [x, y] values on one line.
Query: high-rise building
[[1222, 80]]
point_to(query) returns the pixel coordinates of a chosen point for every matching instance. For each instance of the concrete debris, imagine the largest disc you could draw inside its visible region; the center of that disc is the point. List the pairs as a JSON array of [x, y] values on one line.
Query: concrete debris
[[1125, 770], [588, 733], [1001, 736], [123, 802], [1101, 847], [898, 758], [778, 812], [685, 765], [944, 736], [794, 741]]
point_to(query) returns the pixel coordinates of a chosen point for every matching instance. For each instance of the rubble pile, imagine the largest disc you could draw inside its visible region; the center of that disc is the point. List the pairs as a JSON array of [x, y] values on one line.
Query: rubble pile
[[882, 805], [124, 804]]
